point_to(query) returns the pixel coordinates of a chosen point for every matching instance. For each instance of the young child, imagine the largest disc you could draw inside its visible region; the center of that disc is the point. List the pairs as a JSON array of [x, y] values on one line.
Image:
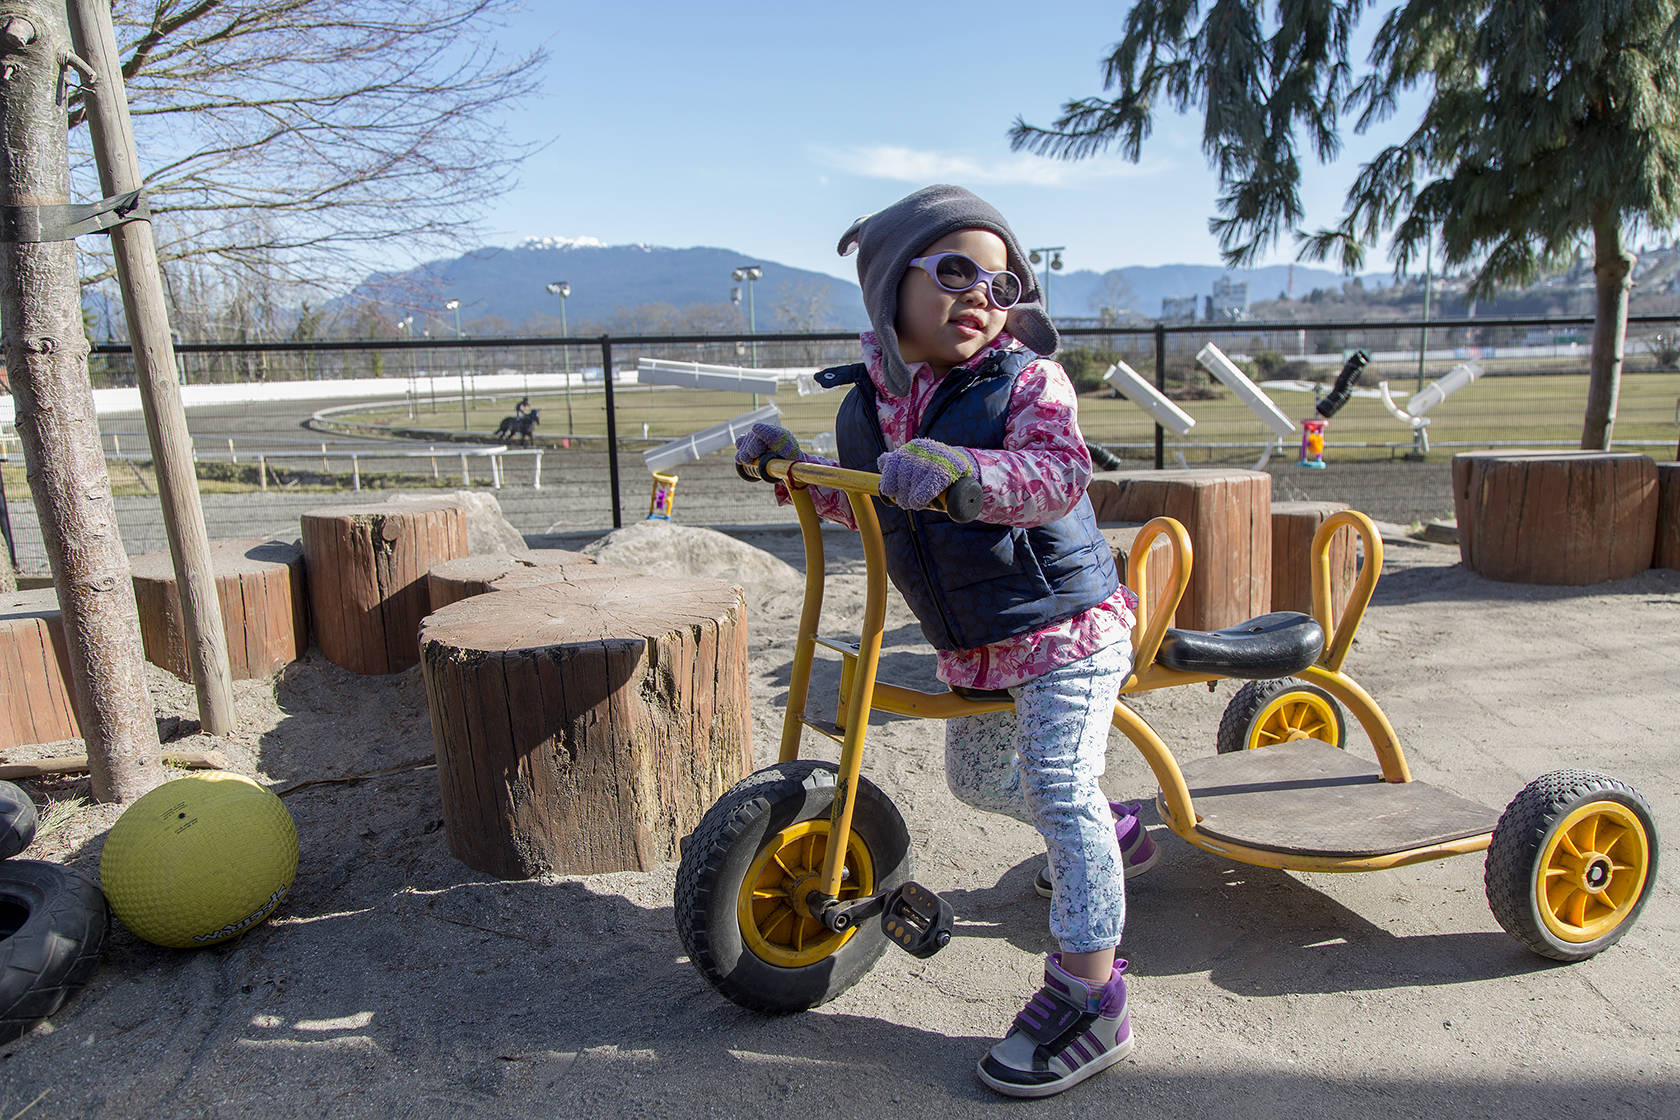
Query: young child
[[1026, 598]]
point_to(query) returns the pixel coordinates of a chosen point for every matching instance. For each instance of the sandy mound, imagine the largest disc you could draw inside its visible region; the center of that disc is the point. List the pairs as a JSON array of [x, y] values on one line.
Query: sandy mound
[[664, 548]]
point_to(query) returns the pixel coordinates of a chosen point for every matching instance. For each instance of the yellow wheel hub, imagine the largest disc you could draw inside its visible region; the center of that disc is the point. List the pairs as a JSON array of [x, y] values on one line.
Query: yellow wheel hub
[[1294, 715], [1592, 872], [776, 923]]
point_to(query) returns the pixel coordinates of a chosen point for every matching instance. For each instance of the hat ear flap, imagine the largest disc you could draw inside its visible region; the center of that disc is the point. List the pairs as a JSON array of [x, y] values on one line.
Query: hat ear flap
[[1031, 327], [853, 235]]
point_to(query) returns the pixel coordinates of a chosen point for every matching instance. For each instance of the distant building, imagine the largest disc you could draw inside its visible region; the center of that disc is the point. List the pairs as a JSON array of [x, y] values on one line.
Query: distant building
[[1229, 300], [1178, 310]]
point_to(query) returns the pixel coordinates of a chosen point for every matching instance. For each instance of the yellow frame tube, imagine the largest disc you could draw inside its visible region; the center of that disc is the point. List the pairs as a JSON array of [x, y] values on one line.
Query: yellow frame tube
[[862, 696], [1338, 633], [810, 614], [1153, 620], [1286, 861]]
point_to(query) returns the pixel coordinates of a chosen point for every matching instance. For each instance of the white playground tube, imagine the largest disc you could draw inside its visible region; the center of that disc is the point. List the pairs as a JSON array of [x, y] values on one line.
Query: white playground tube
[[1150, 399], [1431, 394], [1216, 363], [696, 375], [692, 447]]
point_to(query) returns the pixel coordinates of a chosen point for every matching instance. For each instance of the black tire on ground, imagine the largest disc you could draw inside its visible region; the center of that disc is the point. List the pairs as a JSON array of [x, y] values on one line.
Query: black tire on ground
[[17, 820], [1572, 861], [1267, 712], [757, 951], [53, 923]]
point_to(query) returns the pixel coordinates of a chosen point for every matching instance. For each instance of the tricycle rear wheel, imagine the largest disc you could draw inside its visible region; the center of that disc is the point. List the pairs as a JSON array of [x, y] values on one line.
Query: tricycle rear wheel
[[745, 871], [1267, 712], [1571, 863]]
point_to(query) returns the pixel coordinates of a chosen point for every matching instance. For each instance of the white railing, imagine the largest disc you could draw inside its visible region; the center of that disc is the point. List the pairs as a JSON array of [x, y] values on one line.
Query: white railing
[[492, 454]]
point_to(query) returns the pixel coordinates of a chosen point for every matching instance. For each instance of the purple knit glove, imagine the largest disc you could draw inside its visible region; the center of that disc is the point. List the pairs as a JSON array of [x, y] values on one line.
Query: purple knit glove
[[765, 439], [916, 474]]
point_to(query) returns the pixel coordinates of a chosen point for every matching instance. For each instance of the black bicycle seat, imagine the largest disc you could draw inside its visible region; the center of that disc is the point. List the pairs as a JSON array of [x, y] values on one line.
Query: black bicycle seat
[[1273, 645]]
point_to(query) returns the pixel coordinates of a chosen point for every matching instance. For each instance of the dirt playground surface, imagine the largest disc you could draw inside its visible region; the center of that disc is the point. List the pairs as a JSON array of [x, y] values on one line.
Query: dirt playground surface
[[395, 981]]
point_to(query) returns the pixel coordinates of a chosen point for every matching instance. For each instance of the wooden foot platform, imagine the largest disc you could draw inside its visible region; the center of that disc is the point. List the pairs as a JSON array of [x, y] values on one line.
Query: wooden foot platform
[[1309, 798]]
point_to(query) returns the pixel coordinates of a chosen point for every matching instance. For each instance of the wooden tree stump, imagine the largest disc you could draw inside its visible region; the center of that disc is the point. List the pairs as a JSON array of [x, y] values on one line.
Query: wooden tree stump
[[584, 727], [1555, 517], [1293, 526], [1228, 514], [466, 576], [264, 614], [367, 570], [38, 704], [1666, 553]]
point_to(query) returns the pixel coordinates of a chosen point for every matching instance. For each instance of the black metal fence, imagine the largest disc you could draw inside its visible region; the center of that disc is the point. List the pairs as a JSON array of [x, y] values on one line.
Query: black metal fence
[[1530, 390]]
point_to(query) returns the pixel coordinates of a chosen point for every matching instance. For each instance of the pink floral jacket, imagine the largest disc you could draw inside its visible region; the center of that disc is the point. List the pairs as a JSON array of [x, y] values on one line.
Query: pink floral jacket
[[1039, 475]]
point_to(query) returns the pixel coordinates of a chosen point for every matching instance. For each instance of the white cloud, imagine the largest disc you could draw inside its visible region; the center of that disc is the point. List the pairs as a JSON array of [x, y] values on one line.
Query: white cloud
[[909, 165]]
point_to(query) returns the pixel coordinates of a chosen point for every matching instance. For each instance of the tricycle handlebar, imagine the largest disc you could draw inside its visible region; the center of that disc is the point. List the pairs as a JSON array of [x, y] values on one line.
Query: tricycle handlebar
[[961, 503]]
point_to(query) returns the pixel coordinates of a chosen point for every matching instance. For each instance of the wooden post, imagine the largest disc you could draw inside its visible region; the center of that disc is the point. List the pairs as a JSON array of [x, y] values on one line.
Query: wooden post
[[154, 369], [46, 359]]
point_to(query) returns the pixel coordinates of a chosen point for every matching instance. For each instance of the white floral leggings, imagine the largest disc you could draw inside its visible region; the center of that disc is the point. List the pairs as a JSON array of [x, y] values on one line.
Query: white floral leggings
[[1040, 764]]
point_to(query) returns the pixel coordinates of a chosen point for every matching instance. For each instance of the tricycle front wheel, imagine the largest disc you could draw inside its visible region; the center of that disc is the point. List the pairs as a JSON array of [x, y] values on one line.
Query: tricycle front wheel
[[1266, 712], [746, 871], [1571, 863]]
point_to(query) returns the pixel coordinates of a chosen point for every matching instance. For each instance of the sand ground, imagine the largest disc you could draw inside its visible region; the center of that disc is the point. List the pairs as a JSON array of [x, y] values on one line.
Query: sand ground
[[394, 981]]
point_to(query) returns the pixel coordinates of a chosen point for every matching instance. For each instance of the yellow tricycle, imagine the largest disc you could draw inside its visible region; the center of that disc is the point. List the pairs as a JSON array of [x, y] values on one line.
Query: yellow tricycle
[[797, 879]]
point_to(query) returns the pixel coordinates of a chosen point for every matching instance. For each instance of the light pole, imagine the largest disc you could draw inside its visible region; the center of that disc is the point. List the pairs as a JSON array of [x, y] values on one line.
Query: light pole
[[1428, 283], [750, 274], [563, 289], [405, 328], [460, 364], [1054, 254]]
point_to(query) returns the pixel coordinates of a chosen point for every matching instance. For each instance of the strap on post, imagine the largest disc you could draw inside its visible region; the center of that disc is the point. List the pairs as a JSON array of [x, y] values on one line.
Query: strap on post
[[20, 225]]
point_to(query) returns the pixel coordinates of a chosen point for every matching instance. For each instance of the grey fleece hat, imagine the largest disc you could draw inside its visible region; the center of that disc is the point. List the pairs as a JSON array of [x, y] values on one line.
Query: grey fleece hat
[[887, 240]]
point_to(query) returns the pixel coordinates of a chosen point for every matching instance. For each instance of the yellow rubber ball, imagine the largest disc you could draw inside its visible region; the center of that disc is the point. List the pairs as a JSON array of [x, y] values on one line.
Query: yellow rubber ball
[[199, 860]]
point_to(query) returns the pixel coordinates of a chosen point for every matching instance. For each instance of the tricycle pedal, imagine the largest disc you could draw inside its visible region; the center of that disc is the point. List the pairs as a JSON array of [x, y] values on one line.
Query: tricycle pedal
[[917, 920]]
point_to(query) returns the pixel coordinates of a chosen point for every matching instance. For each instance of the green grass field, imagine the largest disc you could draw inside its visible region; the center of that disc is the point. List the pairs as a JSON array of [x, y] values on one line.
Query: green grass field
[[1541, 408]]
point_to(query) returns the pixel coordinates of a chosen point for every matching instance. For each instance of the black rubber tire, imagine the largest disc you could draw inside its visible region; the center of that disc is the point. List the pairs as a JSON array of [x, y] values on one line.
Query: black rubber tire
[[1240, 728], [1520, 841], [721, 851], [17, 820], [53, 923]]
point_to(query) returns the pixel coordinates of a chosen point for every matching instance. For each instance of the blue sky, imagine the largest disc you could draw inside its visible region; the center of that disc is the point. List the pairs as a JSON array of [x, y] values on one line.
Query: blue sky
[[768, 127]]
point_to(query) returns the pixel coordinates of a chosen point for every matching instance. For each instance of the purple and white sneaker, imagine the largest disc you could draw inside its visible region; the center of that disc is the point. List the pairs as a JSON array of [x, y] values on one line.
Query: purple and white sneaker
[[1138, 853], [1071, 1030]]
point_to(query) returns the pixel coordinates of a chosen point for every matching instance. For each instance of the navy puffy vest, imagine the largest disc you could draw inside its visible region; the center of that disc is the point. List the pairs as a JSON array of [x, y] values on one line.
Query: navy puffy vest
[[975, 584]]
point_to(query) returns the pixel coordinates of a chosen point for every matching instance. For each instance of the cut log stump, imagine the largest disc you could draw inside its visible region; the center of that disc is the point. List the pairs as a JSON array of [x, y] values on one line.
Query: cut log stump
[[585, 727], [1294, 525], [367, 570], [259, 584], [1228, 514], [1555, 517], [466, 576], [1666, 553], [37, 700]]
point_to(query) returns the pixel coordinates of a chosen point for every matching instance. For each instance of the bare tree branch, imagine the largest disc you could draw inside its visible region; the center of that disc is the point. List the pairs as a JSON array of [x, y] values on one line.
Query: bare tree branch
[[294, 140]]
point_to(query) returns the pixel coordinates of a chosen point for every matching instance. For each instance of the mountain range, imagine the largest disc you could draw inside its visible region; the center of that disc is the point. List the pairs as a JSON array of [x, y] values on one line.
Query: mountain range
[[616, 287]]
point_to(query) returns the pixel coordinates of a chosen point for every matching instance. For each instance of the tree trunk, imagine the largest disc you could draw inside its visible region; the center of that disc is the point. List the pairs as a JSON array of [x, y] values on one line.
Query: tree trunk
[[46, 356], [1613, 269]]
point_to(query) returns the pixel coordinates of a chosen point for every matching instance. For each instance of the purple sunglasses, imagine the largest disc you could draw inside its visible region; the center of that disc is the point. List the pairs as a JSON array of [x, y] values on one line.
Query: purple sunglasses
[[956, 272]]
